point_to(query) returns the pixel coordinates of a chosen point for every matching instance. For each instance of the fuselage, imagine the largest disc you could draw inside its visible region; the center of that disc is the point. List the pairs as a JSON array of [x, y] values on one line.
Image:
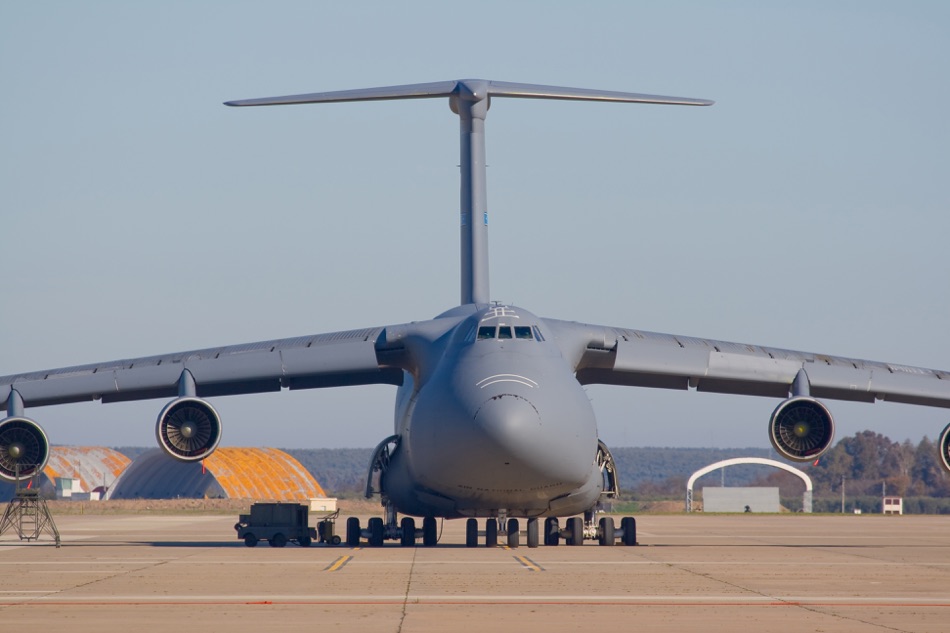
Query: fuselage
[[494, 423]]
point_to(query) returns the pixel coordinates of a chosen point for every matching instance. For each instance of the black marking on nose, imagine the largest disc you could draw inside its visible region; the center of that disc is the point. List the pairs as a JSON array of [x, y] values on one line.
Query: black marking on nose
[[508, 395]]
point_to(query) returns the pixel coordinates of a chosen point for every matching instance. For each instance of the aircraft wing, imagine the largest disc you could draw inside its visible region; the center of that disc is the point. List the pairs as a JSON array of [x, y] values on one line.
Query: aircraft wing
[[620, 356], [321, 360]]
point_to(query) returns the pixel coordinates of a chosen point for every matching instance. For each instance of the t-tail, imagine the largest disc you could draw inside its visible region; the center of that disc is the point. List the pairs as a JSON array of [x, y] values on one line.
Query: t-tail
[[470, 100]]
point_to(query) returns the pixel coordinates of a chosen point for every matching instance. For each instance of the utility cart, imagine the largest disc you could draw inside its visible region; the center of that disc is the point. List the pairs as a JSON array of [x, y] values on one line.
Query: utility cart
[[326, 529]]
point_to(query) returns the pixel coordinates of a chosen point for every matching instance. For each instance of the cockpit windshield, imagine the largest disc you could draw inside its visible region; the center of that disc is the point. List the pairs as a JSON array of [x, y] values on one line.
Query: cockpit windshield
[[509, 332], [486, 331]]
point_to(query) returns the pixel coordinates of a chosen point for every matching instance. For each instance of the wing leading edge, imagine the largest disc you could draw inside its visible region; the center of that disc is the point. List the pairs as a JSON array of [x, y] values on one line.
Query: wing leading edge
[[619, 356], [322, 360]]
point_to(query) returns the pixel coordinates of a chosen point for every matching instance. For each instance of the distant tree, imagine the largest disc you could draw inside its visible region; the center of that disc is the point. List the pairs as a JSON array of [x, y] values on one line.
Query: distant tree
[[789, 485], [875, 457], [834, 466], [927, 475]]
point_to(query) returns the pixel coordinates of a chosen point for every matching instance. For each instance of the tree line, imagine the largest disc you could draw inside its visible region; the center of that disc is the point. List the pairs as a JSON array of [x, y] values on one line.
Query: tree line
[[867, 465], [860, 470]]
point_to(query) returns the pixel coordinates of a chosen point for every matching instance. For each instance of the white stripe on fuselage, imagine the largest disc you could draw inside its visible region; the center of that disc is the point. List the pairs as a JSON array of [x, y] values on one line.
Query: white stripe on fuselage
[[491, 380]]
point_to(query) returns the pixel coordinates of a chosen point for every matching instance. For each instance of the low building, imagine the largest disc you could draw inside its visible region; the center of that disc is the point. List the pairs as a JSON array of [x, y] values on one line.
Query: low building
[[739, 499]]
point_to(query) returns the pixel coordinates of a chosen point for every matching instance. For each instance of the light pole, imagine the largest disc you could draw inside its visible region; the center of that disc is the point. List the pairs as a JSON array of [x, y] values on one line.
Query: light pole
[[842, 494]]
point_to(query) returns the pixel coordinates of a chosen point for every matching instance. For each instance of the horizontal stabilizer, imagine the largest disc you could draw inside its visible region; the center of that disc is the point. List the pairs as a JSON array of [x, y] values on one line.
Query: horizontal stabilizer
[[469, 89], [470, 100]]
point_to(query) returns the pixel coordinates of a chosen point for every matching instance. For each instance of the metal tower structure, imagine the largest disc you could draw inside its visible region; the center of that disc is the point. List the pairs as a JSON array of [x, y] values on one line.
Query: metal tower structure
[[27, 513]]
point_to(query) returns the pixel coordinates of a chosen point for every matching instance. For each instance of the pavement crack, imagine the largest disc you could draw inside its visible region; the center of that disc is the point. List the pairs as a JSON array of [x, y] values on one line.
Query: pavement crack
[[792, 603], [88, 583], [405, 599]]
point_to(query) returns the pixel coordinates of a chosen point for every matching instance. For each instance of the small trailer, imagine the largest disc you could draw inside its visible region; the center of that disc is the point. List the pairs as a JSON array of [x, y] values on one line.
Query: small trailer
[[276, 523]]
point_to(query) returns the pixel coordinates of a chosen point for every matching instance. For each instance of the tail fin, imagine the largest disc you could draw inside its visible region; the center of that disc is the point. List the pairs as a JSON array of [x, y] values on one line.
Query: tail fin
[[470, 98]]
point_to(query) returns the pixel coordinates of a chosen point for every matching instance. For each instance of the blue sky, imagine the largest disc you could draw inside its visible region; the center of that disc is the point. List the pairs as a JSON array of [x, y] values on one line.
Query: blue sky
[[808, 209]]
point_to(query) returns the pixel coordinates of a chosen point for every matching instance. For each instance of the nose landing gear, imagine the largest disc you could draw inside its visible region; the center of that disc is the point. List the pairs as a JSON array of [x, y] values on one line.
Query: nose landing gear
[[499, 526], [378, 530]]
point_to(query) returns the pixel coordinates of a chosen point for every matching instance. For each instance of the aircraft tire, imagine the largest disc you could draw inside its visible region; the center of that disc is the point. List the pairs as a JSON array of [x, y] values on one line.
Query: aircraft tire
[[491, 533], [471, 533], [430, 535], [514, 533], [532, 533], [408, 528], [629, 527], [606, 531], [575, 527], [376, 532], [353, 532], [552, 531]]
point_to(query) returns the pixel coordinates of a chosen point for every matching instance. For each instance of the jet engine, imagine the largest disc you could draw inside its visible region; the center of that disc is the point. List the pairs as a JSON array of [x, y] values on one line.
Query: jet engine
[[944, 446], [188, 429], [24, 449], [801, 429]]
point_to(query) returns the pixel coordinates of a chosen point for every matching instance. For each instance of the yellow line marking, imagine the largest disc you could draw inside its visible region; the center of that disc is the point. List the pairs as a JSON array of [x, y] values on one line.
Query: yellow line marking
[[338, 563], [528, 563]]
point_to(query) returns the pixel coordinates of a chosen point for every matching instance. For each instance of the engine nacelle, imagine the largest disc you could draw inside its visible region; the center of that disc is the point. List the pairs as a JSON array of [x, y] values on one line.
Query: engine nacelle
[[24, 449], [944, 446], [188, 429], [801, 429]]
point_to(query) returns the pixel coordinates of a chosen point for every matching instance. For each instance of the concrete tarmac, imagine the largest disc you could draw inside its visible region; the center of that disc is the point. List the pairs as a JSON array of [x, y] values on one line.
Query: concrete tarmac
[[695, 572]]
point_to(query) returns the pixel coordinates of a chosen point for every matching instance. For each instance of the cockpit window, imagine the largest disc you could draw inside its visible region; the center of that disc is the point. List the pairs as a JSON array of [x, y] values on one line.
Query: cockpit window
[[508, 332], [486, 331], [523, 332]]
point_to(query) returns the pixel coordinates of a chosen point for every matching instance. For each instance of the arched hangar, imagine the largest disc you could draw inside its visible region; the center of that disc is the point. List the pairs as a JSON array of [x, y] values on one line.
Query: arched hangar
[[94, 467], [229, 472], [806, 498]]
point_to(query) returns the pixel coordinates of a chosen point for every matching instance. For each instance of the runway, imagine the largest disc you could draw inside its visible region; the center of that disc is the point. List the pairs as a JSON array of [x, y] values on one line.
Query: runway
[[689, 573]]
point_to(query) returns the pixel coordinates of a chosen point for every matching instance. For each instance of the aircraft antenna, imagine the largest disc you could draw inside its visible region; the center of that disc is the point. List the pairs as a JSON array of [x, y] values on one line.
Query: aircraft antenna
[[470, 100]]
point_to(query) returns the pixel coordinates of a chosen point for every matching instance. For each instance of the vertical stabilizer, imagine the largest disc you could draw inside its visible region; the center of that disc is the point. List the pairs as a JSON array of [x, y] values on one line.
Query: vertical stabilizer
[[470, 99]]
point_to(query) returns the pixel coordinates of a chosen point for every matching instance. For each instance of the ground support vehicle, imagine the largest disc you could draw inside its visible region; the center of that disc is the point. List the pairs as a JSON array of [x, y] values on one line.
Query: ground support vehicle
[[276, 523]]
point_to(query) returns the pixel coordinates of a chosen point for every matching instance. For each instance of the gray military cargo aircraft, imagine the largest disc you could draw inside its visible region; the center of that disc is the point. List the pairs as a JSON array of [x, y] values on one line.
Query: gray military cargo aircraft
[[491, 417]]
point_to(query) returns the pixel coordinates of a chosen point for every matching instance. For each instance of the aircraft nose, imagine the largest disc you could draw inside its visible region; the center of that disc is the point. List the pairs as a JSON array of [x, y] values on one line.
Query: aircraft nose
[[508, 419], [528, 446]]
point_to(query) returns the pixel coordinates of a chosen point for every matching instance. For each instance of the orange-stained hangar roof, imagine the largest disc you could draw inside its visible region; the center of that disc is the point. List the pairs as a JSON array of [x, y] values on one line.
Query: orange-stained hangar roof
[[255, 473], [230, 472], [93, 466]]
